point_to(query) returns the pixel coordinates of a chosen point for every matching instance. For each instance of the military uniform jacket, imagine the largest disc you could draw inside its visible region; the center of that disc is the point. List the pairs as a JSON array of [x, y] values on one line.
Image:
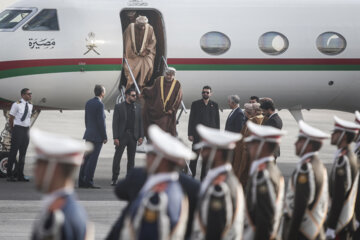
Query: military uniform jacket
[[159, 212], [264, 199], [306, 201], [62, 218], [220, 210], [343, 186]]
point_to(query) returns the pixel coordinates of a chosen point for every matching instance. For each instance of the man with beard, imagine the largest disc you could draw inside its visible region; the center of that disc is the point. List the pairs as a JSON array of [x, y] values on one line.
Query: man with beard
[[139, 50], [343, 182], [127, 131], [306, 201], [162, 101], [271, 118], [206, 112]]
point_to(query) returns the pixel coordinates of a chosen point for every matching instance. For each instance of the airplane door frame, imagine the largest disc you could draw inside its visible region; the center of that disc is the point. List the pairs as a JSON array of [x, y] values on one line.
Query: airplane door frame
[[156, 20]]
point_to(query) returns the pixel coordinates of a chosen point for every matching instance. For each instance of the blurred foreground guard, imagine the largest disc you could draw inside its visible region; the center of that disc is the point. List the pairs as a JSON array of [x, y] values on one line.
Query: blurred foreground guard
[[220, 210], [343, 182], [265, 188], [160, 210], [306, 201], [357, 152], [61, 216]]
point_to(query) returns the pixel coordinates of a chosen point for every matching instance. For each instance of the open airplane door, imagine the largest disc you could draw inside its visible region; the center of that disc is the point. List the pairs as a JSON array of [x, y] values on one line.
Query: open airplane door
[[156, 20]]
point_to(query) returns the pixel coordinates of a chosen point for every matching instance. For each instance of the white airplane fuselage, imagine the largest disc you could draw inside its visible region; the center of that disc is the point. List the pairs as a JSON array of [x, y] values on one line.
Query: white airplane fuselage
[[62, 77]]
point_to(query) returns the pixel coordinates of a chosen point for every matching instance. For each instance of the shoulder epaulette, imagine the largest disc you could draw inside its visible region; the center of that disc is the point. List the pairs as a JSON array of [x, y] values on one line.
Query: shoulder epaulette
[[18, 102]]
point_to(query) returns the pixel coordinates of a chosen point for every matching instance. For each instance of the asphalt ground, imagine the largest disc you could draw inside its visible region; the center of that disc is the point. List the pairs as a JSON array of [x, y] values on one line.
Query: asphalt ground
[[20, 203]]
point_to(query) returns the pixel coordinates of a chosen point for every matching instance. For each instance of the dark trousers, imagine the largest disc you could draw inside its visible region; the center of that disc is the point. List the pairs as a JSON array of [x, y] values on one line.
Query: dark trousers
[[87, 169], [129, 142], [19, 142], [193, 164]]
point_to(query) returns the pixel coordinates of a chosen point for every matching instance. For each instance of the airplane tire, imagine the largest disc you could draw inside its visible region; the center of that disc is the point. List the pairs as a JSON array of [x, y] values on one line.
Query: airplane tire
[[3, 164]]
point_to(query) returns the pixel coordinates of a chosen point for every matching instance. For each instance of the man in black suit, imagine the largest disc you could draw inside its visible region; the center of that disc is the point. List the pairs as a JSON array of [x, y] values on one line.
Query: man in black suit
[[206, 112], [236, 118], [127, 131], [271, 118], [95, 133]]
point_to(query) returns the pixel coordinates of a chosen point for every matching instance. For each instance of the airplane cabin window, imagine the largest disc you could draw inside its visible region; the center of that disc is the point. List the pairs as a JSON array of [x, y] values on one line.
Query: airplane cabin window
[[215, 43], [331, 43], [11, 19], [46, 20], [273, 43]]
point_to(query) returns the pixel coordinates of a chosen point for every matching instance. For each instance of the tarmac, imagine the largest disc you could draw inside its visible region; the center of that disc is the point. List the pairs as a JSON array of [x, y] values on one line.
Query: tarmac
[[20, 203]]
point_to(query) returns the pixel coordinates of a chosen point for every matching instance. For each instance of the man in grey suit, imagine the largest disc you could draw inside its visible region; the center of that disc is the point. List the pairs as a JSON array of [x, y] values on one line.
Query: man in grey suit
[[95, 133], [127, 132]]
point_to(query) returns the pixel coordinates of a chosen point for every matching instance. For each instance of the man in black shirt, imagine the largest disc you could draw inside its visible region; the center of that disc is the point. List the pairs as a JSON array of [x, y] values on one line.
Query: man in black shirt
[[205, 112], [127, 131]]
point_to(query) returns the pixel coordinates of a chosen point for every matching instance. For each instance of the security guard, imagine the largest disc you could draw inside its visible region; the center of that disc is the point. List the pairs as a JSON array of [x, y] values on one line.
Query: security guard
[[343, 182], [19, 123], [61, 216], [357, 152], [265, 188], [160, 210], [220, 210], [306, 201]]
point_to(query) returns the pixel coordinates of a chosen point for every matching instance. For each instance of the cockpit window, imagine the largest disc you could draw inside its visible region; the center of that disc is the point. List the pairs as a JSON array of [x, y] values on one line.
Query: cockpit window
[[11, 19], [46, 20]]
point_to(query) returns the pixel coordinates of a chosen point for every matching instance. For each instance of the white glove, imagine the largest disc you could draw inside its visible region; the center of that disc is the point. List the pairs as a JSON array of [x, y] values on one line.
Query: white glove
[[330, 233], [357, 224]]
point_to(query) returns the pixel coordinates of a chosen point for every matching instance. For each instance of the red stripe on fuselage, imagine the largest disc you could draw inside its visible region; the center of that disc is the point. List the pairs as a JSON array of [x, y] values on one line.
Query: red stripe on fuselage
[[58, 62], [7, 65]]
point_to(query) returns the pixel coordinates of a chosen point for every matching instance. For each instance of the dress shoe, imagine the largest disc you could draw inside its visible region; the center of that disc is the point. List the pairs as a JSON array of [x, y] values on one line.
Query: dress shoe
[[11, 179], [23, 179], [93, 186], [113, 182], [83, 186]]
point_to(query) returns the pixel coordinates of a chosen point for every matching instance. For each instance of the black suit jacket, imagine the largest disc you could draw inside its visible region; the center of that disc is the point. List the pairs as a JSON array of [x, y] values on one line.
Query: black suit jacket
[[95, 121], [235, 122], [196, 112], [128, 188], [275, 121], [119, 121]]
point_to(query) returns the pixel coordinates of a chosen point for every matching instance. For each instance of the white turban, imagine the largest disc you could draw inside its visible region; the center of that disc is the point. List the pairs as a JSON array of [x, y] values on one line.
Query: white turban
[[170, 70], [142, 19]]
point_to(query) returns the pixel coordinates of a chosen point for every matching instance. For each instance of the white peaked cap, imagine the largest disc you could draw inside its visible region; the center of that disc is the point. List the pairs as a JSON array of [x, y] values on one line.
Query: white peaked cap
[[217, 138], [142, 19], [58, 148], [169, 146], [266, 133], [357, 117], [310, 132], [347, 126]]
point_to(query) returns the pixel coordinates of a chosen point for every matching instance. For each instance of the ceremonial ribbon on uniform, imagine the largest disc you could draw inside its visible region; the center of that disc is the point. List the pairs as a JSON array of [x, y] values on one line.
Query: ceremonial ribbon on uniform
[[169, 93]]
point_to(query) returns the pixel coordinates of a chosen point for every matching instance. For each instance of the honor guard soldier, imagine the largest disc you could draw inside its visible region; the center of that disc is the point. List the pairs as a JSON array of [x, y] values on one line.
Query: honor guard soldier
[[19, 123], [357, 152], [265, 188], [61, 216], [306, 201], [343, 182], [220, 209], [160, 210]]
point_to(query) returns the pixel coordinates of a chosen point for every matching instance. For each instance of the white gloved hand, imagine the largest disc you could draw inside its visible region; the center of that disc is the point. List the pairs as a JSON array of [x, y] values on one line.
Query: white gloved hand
[[330, 233]]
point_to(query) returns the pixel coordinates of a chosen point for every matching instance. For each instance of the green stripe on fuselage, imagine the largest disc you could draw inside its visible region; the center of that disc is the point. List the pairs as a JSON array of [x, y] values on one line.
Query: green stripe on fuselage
[[182, 67]]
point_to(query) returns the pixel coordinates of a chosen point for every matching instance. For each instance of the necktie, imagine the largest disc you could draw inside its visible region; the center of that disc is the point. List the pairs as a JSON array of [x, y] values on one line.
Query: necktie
[[25, 113]]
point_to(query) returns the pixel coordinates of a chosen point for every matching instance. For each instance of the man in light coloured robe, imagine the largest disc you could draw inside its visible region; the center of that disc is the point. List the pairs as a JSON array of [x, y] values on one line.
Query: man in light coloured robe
[[139, 50]]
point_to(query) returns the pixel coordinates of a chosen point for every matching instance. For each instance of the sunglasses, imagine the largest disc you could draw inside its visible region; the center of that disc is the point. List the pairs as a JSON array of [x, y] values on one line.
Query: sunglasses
[[133, 95], [205, 92]]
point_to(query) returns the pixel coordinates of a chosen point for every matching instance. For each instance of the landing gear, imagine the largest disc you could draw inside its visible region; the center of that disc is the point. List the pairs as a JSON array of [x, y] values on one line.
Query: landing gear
[[5, 142]]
